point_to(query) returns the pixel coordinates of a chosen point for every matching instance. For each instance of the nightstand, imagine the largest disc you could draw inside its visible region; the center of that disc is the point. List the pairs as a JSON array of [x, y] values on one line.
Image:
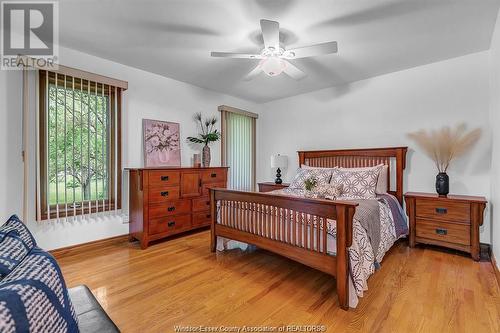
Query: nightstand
[[452, 221], [271, 186]]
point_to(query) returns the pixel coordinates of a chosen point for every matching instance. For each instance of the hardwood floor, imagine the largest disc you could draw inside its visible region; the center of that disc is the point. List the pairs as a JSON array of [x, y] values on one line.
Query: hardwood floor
[[179, 282]]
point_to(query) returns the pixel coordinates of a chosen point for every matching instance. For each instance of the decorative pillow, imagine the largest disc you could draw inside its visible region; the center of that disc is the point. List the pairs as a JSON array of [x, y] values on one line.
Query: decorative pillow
[[322, 177], [12, 251], [382, 181], [34, 297], [329, 191], [357, 184], [14, 223]]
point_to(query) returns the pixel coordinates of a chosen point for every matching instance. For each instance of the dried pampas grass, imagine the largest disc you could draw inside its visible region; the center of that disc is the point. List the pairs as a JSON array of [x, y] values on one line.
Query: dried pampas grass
[[446, 144]]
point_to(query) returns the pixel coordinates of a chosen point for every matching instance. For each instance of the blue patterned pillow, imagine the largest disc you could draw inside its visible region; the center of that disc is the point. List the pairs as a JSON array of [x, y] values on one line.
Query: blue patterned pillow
[[14, 223], [16, 242], [34, 297], [12, 251]]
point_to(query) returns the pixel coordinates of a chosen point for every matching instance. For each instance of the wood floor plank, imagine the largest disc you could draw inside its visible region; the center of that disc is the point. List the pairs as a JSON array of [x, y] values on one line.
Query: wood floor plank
[[180, 282]]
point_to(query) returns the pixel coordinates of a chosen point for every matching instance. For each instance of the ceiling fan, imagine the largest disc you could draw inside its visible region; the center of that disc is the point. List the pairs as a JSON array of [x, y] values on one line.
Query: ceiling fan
[[274, 57]]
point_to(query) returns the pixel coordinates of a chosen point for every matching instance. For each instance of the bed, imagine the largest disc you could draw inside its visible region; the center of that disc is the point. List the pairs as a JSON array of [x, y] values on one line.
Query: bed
[[315, 232]]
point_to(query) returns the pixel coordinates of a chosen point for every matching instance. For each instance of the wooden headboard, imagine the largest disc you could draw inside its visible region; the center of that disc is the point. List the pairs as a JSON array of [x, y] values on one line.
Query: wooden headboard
[[356, 158]]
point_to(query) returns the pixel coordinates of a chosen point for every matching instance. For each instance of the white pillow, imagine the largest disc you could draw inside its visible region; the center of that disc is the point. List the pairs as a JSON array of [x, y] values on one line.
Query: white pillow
[[357, 184], [383, 177], [322, 177]]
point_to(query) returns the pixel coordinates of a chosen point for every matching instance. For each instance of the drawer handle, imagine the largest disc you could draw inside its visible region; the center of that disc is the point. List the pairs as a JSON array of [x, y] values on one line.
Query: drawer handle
[[209, 216], [441, 231], [213, 175], [164, 178], [171, 223], [208, 202], [164, 193], [441, 210], [171, 208]]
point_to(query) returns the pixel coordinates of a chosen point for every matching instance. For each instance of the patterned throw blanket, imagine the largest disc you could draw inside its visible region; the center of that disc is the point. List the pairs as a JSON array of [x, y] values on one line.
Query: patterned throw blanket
[[399, 216], [368, 215]]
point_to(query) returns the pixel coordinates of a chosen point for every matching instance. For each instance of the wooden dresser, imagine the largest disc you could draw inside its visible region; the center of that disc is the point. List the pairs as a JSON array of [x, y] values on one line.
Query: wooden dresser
[[452, 221], [168, 201]]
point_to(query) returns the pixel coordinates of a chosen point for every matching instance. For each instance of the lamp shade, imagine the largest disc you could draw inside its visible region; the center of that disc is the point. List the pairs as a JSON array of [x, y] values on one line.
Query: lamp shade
[[279, 161]]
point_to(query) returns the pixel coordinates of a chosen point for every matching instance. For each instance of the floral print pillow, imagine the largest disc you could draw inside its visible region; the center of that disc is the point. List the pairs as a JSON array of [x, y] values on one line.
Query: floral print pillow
[[329, 191], [322, 177], [359, 184]]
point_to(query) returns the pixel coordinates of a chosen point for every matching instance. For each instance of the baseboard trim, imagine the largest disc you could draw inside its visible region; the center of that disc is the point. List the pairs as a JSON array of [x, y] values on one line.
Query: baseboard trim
[[77, 248], [495, 269]]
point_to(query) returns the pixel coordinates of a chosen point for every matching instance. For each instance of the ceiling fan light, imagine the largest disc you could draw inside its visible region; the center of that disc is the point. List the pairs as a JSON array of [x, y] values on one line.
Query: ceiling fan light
[[273, 66]]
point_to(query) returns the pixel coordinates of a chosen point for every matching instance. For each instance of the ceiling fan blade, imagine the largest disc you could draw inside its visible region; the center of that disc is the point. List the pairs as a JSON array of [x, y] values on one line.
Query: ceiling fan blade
[[293, 71], [235, 55], [253, 73], [270, 33], [311, 51]]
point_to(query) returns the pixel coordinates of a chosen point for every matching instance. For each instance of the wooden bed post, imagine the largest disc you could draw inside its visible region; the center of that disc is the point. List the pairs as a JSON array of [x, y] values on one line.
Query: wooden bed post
[[213, 216], [344, 241]]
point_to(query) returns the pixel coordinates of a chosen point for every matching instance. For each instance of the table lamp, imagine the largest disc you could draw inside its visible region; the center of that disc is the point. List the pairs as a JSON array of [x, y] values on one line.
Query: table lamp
[[280, 162]]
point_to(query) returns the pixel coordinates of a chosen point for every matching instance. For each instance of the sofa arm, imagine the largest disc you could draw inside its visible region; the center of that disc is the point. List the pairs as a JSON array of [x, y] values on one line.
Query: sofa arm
[[91, 316]]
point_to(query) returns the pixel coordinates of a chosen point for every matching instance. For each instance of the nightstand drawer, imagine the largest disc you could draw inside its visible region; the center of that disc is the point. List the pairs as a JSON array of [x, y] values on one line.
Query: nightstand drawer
[[443, 210], [443, 231]]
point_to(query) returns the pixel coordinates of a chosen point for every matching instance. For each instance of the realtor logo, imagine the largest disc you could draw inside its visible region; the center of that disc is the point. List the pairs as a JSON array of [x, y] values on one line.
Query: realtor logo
[[29, 29]]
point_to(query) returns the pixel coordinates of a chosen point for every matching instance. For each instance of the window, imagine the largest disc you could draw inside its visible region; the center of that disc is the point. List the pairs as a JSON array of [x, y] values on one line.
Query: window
[[79, 146], [238, 146]]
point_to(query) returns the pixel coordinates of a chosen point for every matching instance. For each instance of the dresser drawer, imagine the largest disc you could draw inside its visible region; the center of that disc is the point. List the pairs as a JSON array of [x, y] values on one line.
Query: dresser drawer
[[170, 224], [206, 187], [443, 210], [443, 231], [202, 218], [201, 204], [169, 208], [165, 193], [160, 178], [213, 176]]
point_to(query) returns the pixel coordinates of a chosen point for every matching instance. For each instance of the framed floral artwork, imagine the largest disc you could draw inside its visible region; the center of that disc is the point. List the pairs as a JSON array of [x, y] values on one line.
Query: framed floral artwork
[[161, 143]]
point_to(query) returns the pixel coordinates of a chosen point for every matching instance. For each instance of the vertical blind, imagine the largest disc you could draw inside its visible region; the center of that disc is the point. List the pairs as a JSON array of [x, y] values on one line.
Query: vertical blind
[[238, 148], [79, 169]]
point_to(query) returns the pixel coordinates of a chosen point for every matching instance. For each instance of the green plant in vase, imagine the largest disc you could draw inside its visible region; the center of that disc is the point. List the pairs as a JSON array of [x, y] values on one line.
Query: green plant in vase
[[208, 134], [310, 184]]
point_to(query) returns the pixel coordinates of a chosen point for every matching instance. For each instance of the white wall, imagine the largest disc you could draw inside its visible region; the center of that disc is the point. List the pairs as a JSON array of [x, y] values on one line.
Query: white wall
[[495, 121], [379, 112], [149, 96]]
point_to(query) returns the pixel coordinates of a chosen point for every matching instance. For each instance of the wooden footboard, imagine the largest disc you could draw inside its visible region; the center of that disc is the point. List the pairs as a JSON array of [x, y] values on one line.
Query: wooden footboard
[[292, 227]]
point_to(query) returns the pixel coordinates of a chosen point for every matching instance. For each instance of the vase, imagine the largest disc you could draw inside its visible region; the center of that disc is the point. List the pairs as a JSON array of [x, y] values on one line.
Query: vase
[[442, 184], [206, 156]]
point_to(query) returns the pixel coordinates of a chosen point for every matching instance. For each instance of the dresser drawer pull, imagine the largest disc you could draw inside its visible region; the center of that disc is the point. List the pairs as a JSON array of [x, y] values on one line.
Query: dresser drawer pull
[[441, 210], [171, 209], [213, 175], [209, 216], [171, 223], [441, 231], [164, 193], [208, 202], [164, 178]]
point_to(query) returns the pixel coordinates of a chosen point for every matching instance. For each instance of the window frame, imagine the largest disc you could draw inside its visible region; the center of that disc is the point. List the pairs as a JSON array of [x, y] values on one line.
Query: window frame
[[115, 155]]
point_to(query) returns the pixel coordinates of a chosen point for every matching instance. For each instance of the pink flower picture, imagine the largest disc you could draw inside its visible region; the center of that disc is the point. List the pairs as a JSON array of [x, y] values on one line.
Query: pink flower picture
[[161, 143]]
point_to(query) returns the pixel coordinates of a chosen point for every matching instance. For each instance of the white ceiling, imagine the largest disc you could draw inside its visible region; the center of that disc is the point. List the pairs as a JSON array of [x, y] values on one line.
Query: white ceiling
[[174, 38]]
